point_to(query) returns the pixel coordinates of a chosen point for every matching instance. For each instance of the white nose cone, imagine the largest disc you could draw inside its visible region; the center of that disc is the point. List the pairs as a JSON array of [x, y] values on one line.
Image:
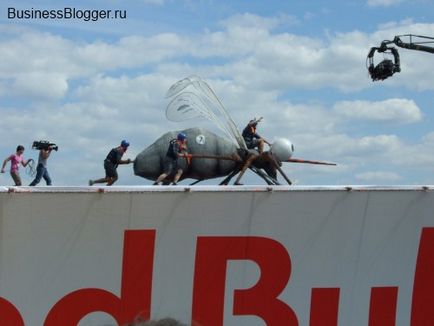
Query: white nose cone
[[282, 148]]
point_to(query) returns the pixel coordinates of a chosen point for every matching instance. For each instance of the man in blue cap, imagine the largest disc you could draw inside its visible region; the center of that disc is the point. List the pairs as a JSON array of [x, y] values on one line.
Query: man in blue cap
[[177, 147], [113, 159]]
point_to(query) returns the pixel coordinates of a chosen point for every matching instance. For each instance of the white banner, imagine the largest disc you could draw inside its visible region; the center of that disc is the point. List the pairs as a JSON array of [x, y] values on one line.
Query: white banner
[[217, 255]]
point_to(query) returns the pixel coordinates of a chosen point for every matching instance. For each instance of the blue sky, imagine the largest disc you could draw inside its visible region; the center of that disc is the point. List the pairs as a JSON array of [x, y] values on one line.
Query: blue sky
[[299, 64]]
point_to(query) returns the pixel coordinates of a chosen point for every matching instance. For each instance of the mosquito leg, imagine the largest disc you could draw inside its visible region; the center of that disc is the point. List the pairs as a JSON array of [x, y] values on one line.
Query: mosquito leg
[[229, 177], [276, 165], [269, 180], [244, 168]]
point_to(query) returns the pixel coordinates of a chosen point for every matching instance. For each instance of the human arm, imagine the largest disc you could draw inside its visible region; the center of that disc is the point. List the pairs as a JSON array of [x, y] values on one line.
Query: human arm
[[117, 153], [25, 163], [257, 136], [180, 149], [127, 161], [4, 164]]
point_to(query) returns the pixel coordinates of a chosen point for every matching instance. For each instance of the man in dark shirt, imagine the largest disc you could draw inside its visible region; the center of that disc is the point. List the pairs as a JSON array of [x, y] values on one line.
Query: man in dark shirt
[[113, 159], [252, 138], [177, 146]]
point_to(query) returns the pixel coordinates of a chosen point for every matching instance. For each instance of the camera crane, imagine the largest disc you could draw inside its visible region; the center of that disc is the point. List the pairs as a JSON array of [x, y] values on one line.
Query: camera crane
[[387, 67]]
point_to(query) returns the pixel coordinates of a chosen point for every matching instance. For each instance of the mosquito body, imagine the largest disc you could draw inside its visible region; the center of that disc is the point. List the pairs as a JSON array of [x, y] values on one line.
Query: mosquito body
[[149, 163]]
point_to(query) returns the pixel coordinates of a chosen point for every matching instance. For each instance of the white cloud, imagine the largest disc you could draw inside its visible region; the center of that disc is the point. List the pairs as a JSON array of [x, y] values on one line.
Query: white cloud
[[248, 53], [40, 85], [348, 148], [383, 3], [251, 21], [391, 110], [429, 138]]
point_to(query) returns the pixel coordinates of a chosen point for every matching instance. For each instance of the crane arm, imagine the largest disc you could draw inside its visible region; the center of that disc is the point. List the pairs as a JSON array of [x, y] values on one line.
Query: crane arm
[[419, 46], [387, 68]]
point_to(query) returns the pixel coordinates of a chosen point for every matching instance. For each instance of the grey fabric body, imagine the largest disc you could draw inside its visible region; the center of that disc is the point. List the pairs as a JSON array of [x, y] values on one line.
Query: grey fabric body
[[149, 163]]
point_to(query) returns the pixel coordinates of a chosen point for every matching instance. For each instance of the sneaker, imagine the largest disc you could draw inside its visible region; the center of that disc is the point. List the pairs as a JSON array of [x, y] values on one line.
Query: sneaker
[[155, 183], [91, 183]]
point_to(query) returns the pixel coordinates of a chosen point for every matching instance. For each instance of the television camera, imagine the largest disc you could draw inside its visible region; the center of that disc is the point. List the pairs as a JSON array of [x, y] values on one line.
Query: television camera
[[44, 144]]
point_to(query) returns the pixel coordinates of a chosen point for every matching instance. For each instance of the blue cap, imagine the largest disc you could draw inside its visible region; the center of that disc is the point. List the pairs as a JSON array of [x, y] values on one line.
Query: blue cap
[[124, 143], [181, 136]]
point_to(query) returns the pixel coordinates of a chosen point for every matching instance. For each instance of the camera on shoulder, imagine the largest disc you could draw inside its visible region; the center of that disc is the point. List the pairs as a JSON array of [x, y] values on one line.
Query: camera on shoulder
[[44, 144]]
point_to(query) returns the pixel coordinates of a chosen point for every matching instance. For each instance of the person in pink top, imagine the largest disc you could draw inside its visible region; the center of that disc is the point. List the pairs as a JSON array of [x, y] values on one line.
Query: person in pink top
[[16, 159]]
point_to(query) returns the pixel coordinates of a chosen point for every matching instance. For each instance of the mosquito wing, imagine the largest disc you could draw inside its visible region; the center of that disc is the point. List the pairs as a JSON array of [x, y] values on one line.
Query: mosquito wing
[[191, 98]]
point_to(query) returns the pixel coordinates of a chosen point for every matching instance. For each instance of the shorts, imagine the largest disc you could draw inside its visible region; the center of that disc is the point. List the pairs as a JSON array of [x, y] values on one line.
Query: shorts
[[16, 177], [110, 170], [252, 143], [170, 166]]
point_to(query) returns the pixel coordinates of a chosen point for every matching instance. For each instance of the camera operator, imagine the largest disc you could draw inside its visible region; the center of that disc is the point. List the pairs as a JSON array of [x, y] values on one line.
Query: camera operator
[[41, 169]]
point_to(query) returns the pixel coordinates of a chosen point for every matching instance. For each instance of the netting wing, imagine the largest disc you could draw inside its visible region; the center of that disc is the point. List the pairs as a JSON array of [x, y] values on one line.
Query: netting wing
[[191, 98]]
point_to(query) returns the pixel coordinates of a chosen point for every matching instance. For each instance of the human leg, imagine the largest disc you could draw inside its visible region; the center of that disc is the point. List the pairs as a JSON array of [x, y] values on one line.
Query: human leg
[[39, 172], [102, 180], [112, 181], [169, 165], [16, 177], [246, 165], [160, 178], [260, 146], [177, 176], [46, 177], [110, 173]]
